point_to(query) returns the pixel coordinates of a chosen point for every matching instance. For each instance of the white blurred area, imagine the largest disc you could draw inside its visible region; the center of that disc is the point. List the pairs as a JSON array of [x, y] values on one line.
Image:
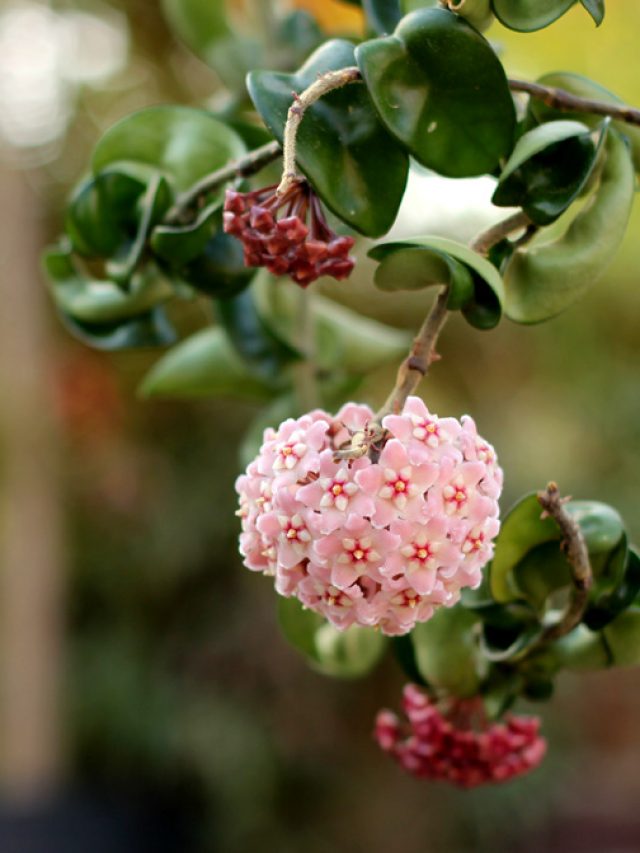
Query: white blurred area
[[45, 57]]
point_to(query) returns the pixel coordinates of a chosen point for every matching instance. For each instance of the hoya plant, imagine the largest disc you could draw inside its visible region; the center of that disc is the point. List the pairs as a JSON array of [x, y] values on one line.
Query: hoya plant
[[380, 530]]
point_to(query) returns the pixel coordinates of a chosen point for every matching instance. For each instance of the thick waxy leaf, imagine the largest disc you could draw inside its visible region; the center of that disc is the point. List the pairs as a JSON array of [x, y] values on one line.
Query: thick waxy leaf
[[581, 86], [181, 142], [608, 605], [343, 338], [355, 166], [199, 23], [477, 12], [179, 244], [205, 365], [543, 280], [528, 15], [447, 651], [600, 524], [475, 284], [343, 654], [147, 330], [580, 651], [91, 301], [622, 637], [102, 212], [219, 270], [549, 168], [500, 646], [456, 117], [596, 9], [264, 352], [382, 15]]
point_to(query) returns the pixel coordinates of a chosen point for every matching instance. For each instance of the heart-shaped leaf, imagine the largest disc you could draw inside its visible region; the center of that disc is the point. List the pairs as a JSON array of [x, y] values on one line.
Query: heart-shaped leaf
[[342, 654], [204, 365], [544, 279], [183, 143], [447, 651], [456, 117], [548, 169], [95, 301], [475, 284], [355, 166], [152, 329], [528, 15]]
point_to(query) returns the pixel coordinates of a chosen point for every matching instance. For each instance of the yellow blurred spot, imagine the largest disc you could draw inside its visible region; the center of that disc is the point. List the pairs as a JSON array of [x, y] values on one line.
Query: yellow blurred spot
[[333, 16]]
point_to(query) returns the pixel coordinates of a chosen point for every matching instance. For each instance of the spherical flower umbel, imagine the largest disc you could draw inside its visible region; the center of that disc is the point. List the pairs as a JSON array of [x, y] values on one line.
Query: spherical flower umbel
[[287, 245], [459, 746], [377, 541]]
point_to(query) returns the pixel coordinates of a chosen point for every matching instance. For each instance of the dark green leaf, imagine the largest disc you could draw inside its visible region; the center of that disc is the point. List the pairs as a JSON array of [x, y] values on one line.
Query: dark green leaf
[[606, 607], [205, 365], [581, 651], [456, 117], [179, 244], [354, 165], [265, 352], [447, 651], [477, 12], [543, 280], [183, 143], [596, 9], [403, 650], [528, 15], [622, 637], [500, 646], [147, 330], [219, 270], [549, 168], [476, 286], [541, 572], [382, 15], [91, 301], [199, 23]]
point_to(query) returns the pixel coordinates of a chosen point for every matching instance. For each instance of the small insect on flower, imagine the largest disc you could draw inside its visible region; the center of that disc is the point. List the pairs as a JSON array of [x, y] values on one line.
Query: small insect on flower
[[287, 245]]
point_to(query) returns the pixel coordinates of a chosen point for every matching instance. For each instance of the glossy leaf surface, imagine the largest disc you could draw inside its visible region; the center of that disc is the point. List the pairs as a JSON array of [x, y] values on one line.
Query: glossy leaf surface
[[528, 15], [355, 166], [152, 329], [456, 117]]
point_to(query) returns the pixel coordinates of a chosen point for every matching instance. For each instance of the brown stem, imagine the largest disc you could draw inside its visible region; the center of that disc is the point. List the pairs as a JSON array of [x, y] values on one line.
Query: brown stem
[[578, 557], [518, 221], [420, 358], [560, 99], [242, 168]]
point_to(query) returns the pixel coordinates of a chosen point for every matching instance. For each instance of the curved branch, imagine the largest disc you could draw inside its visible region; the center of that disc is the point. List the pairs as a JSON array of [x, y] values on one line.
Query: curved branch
[[560, 99]]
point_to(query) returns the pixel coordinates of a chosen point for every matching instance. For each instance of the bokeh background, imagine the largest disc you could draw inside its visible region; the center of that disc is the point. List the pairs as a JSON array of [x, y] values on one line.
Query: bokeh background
[[147, 699]]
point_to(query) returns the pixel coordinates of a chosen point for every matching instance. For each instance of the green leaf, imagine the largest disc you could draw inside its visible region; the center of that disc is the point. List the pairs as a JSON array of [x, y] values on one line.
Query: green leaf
[[219, 270], [528, 15], [382, 15], [343, 654], [581, 86], [581, 650], [447, 651], [198, 23], [608, 606], [95, 301], [544, 279], [456, 117], [476, 286], [152, 329], [477, 12], [517, 646], [344, 339], [541, 572], [548, 169], [601, 525], [204, 365], [354, 165], [265, 353], [183, 143], [622, 637], [596, 9], [179, 244]]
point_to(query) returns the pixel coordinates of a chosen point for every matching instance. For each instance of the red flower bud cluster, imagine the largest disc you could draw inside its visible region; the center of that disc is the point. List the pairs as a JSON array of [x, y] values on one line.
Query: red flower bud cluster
[[447, 748], [287, 245]]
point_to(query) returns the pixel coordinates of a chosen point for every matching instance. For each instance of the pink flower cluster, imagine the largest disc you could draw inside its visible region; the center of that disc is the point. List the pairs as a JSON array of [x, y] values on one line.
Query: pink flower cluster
[[287, 246], [373, 543], [449, 749]]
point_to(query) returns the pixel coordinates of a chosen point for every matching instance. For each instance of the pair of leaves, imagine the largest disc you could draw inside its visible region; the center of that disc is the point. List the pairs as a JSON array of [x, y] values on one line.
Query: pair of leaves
[[530, 15], [475, 286], [547, 277], [549, 168], [343, 654]]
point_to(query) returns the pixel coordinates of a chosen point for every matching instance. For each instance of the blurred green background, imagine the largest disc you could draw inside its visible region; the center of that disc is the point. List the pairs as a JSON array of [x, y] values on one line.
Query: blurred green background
[[141, 664]]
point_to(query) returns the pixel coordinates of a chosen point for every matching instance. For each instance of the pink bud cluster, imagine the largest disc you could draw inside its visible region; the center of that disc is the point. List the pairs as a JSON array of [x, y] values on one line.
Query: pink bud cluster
[[287, 245], [434, 746], [373, 543]]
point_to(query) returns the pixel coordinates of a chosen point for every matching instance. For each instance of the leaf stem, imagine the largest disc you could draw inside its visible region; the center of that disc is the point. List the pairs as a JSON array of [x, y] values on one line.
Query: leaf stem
[[488, 239], [578, 557], [562, 100], [301, 102], [242, 168]]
